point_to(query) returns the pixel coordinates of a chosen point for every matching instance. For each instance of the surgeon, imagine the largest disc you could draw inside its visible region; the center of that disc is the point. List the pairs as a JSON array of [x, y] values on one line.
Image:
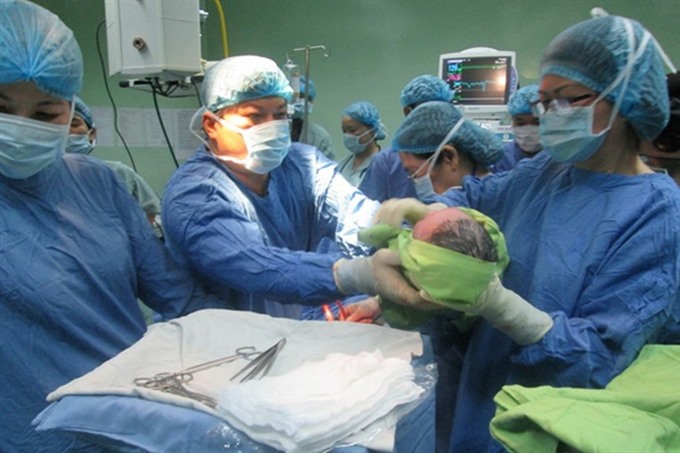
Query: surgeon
[[268, 224], [663, 154], [600, 276], [309, 132], [76, 248], [438, 148], [526, 142], [361, 130], [81, 140], [386, 177]]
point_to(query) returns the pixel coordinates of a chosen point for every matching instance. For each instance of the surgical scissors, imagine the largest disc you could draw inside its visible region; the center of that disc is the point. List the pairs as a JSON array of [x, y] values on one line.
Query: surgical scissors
[[174, 382]]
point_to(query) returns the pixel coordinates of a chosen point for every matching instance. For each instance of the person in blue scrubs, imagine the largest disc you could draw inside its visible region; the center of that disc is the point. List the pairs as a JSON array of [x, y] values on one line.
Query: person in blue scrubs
[[265, 223], [81, 140], [361, 131], [592, 232], [386, 177], [526, 142], [438, 148], [77, 250]]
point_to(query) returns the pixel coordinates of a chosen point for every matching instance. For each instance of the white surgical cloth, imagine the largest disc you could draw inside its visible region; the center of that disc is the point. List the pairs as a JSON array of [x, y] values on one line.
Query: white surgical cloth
[[320, 403]]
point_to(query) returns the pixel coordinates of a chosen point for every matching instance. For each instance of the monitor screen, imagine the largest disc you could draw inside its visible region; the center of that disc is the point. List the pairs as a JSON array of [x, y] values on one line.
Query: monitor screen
[[478, 79]]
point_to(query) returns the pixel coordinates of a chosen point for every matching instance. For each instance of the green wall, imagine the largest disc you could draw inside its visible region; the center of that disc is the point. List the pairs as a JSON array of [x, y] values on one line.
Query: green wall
[[376, 46]]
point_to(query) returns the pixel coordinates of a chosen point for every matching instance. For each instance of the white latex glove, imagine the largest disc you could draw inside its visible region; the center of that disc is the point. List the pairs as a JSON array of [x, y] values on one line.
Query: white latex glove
[[378, 274], [509, 313], [397, 210]]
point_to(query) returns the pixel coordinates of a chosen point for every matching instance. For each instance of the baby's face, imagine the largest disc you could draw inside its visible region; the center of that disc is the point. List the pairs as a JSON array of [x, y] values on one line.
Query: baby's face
[[424, 229]]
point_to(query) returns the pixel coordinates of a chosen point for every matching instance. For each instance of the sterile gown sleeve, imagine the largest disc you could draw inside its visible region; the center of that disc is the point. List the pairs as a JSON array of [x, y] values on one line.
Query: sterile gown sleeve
[[252, 247], [599, 252]]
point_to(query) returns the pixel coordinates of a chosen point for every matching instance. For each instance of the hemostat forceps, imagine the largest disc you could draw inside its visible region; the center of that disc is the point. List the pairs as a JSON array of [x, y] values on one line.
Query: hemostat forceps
[[262, 364], [174, 382]]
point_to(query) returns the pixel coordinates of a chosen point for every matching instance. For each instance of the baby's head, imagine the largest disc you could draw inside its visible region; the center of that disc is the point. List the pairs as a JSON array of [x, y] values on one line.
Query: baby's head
[[453, 229]]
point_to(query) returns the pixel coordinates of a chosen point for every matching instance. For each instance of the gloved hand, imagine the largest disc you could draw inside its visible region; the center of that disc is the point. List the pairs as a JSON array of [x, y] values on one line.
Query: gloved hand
[[378, 274], [397, 210], [364, 311], [509, 313]]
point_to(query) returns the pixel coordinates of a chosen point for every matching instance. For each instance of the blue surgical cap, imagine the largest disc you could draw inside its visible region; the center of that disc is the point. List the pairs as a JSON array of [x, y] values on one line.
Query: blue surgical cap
[[520, 101], [243, 78], [36, 46], [425, 88], [366, 113], [83, 111], [304, 86], [596, 51], [427, 125]]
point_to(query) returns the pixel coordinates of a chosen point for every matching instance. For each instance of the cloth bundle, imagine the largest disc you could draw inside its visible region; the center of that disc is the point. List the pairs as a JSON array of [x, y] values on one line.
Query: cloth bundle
[[451, 279], [638, 411], [321, 403]]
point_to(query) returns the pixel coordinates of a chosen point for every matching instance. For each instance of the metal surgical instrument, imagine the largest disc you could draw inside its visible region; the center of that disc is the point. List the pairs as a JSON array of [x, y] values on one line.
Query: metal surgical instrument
[[262, 364], [174, 382]]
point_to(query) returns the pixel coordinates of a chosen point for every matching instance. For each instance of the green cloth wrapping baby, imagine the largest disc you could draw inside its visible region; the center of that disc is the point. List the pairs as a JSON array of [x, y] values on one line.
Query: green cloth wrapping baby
[[451, 255]]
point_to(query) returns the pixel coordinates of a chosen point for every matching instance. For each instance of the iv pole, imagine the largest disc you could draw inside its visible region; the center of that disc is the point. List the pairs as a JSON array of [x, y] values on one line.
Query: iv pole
[[307, 50]]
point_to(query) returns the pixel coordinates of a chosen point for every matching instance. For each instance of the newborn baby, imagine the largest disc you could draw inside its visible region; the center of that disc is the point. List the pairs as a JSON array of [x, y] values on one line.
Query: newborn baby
[[451, 255], [453, 229]]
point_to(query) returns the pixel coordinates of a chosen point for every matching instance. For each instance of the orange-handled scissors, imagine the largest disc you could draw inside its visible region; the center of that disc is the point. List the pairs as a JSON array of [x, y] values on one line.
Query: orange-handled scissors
[[328, 313]]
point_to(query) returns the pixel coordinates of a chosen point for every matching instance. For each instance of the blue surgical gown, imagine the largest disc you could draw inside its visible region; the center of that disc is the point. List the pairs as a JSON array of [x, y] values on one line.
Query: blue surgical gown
[[386, 178], [599, 252], [77, 251], [269, 254]]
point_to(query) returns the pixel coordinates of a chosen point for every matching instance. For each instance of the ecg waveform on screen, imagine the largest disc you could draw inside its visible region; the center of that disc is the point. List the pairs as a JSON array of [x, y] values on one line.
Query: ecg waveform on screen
[[483, 84]]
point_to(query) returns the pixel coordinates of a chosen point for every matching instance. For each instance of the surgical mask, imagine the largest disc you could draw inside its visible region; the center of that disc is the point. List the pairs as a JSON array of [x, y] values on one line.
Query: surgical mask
[[423, 184], [267, 145], [352, 142], [527, 138], [28, 146], [79, 144], [299, 109], [567, 133]]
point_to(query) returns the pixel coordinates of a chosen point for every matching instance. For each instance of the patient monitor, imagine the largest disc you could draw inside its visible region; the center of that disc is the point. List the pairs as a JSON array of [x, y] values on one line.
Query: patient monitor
[[482, 80]]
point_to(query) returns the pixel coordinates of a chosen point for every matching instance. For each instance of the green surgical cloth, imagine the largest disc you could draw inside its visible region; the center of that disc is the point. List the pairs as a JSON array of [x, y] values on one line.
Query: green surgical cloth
[[452, 280], [639, 411]]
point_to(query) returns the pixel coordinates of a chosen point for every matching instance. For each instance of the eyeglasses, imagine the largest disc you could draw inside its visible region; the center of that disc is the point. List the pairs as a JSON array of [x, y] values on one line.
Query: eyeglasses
[[558, 104]]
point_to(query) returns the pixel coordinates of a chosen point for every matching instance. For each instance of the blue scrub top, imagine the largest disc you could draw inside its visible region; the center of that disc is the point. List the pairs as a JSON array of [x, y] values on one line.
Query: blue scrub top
[[512, 154], [386, 178], [268, 254], [599, 252], [76, 252]]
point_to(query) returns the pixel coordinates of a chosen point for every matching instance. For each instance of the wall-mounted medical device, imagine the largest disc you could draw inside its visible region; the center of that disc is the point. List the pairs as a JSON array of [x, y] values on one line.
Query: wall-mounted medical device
[[153, 38]]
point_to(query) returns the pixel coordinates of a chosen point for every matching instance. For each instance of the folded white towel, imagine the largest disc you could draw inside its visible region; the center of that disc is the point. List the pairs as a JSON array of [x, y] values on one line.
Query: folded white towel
[[318, 404]]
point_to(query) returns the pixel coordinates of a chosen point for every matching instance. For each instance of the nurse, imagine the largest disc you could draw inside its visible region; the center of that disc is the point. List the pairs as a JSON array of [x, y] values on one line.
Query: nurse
[[361, 130], [438, 148], [525, 143], [592, 232], [386, 178], [268, 224], [76, 249]]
